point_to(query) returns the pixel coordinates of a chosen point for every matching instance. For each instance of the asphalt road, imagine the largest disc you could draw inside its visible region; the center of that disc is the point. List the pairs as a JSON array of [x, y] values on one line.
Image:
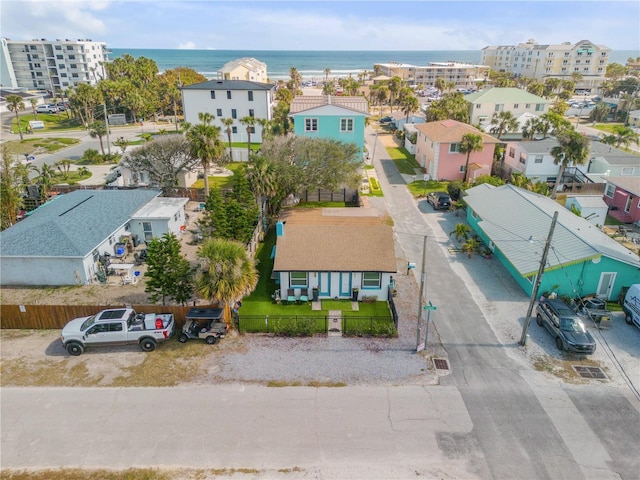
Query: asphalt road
[[492, 418]]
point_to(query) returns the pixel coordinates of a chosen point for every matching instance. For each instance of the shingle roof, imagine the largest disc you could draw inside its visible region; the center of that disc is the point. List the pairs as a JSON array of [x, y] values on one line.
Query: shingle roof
[[630, 183], [451, 131], [74, 224], [613, 155], [249, 63], [308, 102], [510, 216], [230, 85], [539, 146], [335, 248], [504, 95]]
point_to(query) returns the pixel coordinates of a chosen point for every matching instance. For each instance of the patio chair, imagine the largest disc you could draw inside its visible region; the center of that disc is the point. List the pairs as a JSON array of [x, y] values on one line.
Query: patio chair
[[291, 295], [304, 295]]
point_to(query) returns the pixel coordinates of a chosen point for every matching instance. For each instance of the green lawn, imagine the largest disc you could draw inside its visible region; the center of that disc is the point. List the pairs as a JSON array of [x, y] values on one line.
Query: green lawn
[[221, 182], [31, 143], [405, 162], [419, 187], [612, 221], [607, 127], [52, 121], [254, 146]]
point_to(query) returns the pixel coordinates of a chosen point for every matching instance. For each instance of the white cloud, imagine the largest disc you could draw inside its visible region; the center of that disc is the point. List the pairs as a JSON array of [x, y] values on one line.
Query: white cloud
[[187, 46]]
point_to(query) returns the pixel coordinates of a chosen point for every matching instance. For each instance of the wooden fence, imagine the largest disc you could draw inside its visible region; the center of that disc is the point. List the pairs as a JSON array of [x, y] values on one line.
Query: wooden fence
[[51, 317]]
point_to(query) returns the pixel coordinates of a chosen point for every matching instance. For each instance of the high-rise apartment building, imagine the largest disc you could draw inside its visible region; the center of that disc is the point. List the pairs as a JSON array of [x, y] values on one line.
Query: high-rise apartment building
[[51, 65], [559, 61], [464, 75]]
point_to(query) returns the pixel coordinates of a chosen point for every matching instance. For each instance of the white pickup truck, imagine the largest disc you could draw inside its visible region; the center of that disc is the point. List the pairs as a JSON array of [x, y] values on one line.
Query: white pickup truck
[[118, 326]]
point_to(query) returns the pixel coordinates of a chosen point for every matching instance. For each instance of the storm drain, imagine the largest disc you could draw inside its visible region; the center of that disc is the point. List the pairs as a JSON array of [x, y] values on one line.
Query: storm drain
[[589, 372], [441, 364]]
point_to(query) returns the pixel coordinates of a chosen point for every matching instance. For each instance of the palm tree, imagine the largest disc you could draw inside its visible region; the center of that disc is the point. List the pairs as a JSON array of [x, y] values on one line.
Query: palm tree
[[394, 87], [33, 103], [329, 89], [327, 71], [205, 145], [625, 136], [471, 142], [441, 85], [470, 245], [250, 123], [572, 148], [227, 122], [63, 167], [503, 122], [410, 104], [98, 130], [461, 231], [261, 174], [15, 104], [229, 274]]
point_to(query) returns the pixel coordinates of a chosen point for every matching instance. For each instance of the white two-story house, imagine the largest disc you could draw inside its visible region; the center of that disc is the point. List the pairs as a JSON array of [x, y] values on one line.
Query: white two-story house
[[533, 159], [233, 99], [485, 103]]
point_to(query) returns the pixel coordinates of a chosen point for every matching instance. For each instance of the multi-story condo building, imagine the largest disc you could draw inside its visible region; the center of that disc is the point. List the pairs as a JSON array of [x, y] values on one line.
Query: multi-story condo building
[[464, 75], [245, 68], [542, 61], [51, 65]]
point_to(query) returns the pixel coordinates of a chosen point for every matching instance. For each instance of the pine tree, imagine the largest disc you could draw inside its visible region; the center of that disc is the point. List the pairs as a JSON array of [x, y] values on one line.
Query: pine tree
[[169, 274]]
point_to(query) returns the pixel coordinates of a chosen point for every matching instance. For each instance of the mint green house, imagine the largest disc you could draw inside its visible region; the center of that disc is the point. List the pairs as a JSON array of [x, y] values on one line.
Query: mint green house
[[340, 118], [582, 260]]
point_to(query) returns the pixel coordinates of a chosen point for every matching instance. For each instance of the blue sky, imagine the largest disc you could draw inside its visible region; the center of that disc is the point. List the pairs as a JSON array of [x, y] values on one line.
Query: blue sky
[[328, 25]]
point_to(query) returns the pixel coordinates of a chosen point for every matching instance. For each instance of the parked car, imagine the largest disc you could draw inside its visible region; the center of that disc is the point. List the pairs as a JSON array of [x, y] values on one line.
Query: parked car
[[46, 109], [631, 305], [439, 200], [62, 106], [386, 119], [565, 326]]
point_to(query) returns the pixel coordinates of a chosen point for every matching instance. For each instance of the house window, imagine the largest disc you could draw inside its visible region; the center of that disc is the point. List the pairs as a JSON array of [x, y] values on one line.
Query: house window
[[228, 94], [310, 124], [298, 279], [346, 124], [516, 105], [512, 152], [499, 107], [219, 112], [474, 215], [461, 169], [371, 279], [523, 158], [478, 105], [609, 191], [454, 148], [253, 129], [539, 107], [627, 205], [127, 227], [251, 113], [538, 159], [234, 129], [213, 94], [626, 171], [234, 114], [250, 95]]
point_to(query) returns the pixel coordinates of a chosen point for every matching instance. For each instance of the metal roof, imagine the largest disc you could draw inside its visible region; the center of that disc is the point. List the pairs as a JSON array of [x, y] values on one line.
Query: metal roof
[[160, 208], [73, 225], [504, 95], [309, 102], [451, 131], [511, 216]]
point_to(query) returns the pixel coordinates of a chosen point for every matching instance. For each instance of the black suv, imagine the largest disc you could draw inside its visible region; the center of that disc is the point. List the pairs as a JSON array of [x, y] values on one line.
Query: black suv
[[565, 326], [439, 200]]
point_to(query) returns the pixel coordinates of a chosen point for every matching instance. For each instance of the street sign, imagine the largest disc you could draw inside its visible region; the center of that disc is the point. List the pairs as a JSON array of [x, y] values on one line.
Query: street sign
[[429, 307]]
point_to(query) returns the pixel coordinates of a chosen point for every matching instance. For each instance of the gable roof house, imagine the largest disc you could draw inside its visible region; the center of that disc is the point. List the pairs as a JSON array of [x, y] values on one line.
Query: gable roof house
[[245, 68], [582, 260], [233, 99], [438, 150], [622, 195], [340, 118], [612, 161], [334, 254], [485, 103], [61, 242]]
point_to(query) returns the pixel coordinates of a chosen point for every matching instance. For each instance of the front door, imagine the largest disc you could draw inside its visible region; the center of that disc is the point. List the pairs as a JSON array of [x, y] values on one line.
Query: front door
[[324, 284], [607, 279], [345, 284]]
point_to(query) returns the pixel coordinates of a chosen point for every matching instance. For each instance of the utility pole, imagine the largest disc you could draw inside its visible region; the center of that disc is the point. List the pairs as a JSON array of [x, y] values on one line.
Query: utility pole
[[534, 293], [423, 285], [106, 124]]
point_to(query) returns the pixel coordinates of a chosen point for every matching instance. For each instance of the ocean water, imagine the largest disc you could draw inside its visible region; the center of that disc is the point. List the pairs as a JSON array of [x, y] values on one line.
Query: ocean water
[[310, 64]]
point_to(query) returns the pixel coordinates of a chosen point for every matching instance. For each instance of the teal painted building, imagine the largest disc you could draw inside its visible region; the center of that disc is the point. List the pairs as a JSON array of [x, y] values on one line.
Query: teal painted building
[[340, 118], [582, 260]]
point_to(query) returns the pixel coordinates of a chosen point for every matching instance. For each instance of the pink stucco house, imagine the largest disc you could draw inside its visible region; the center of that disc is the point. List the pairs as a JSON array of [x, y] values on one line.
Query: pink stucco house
[[438, 150], [622, 194]]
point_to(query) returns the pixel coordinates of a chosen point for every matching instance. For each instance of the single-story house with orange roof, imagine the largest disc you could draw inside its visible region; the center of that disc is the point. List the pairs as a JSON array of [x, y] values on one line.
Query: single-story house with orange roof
[[438, 150], [335, 257]]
